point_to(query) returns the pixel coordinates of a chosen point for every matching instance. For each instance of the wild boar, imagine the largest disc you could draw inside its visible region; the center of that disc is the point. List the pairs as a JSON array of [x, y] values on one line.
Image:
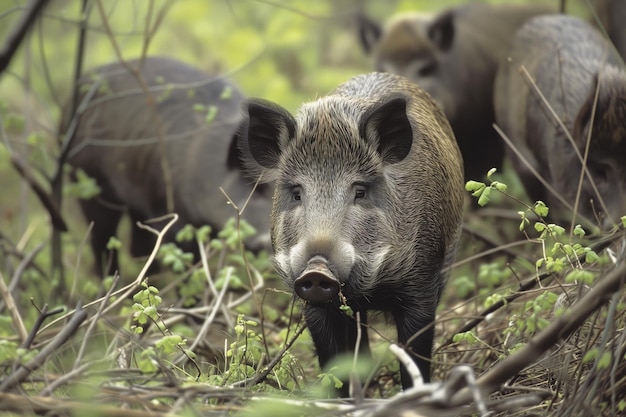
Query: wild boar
[[367, 207], [175, 143], [570, 63], [611, 17], [453, 56]]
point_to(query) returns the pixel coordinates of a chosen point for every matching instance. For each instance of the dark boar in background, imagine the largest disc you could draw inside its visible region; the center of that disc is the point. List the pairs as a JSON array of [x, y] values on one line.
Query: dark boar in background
[[612, 19], [180, 136], [453, 56], [367, 207], [570, 62]]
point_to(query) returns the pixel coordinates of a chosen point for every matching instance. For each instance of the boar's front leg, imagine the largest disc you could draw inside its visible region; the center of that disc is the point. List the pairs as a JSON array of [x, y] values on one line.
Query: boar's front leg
[[409, 323], [334, 334]]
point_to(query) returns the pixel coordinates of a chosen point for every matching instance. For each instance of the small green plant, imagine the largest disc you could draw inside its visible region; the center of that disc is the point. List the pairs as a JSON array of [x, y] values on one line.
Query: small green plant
[[243, 355], [83, 186], [482, 191], [146, 311], [175, 258], [565, 257]]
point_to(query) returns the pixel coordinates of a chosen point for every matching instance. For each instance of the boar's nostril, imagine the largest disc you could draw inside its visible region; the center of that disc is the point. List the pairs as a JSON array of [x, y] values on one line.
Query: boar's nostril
[[317, 284]]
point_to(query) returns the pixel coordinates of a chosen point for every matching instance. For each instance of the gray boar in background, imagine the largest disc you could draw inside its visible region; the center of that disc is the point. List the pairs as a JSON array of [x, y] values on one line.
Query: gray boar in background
[[612, 19], [570, 62], [367, 207], [453, 56], [137, 145]]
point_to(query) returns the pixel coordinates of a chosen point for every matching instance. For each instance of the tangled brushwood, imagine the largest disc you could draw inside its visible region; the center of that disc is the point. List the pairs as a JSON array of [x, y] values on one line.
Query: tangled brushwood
[[552, 344]]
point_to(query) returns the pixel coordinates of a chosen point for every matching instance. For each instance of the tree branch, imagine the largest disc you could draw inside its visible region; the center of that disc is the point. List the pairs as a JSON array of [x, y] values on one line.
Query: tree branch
[[16, 37]]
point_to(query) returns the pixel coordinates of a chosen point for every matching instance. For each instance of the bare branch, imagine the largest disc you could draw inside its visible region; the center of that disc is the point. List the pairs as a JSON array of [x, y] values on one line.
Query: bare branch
[[68, 331], [562, 327], [16, 37]]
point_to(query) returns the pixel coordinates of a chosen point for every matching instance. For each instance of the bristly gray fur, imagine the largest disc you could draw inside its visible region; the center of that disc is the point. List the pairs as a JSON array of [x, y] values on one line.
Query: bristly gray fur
[[371, 180]]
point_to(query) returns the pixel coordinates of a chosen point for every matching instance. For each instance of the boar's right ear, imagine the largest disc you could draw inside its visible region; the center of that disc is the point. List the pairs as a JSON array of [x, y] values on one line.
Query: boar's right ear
[[265, 129], [369, 32], [388, 125], [441, 31]]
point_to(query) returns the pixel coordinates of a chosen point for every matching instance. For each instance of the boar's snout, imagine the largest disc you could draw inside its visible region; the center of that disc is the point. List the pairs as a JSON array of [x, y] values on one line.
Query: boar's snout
[[317, 284]]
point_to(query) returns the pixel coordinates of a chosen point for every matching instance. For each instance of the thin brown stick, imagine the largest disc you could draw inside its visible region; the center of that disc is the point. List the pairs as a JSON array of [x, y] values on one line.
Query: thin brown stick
[[16, 37], [63, 336]]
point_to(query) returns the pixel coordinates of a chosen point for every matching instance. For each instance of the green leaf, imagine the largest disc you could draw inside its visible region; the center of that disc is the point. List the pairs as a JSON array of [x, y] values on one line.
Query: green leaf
[[556, 229], [484, 197], [146, 362], [203, 234], [579, 231], [346, 310], [499, 186], [170, 344], [580, 275], [227, 93], [83, 186], [465, 337], [186, 234], [474, 186], [591, 257], [211, 114], [541, 209], [114, 243], [591, 355], [604, 362]]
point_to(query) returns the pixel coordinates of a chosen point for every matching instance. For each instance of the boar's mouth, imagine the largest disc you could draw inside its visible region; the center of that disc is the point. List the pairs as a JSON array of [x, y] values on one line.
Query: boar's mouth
[[317, 284]]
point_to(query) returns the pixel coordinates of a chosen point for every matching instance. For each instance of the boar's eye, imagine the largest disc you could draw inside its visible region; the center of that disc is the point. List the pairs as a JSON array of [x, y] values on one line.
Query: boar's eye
[[427, 69], [296, 194], [360, 192]]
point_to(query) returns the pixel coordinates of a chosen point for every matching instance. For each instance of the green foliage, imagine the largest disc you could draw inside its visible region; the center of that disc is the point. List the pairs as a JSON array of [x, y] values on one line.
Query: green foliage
[[490, 276], [174, 257], [235, 232], [114, 243], [83, 186], [8, 351], [145, 308], [211, 114], [533, 316], [328, 380], [243, 355], [493, 299], [566, 256], [346, 310], [483, 191], [602, 359], [463, 286], [466, 337]]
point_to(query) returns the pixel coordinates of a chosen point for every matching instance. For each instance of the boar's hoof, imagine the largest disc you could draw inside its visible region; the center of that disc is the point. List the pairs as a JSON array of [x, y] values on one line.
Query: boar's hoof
[[317, 284]]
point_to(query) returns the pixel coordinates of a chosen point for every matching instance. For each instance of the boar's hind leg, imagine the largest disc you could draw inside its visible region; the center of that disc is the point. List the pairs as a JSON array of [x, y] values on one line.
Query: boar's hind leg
[[333, 334], [142, 241], [105, 220], [420, 346]]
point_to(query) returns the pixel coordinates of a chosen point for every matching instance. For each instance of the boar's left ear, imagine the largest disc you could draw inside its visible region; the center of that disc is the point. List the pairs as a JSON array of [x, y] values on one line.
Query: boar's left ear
[[442, 31], [369, 32], [388, 125], [265, 129]]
